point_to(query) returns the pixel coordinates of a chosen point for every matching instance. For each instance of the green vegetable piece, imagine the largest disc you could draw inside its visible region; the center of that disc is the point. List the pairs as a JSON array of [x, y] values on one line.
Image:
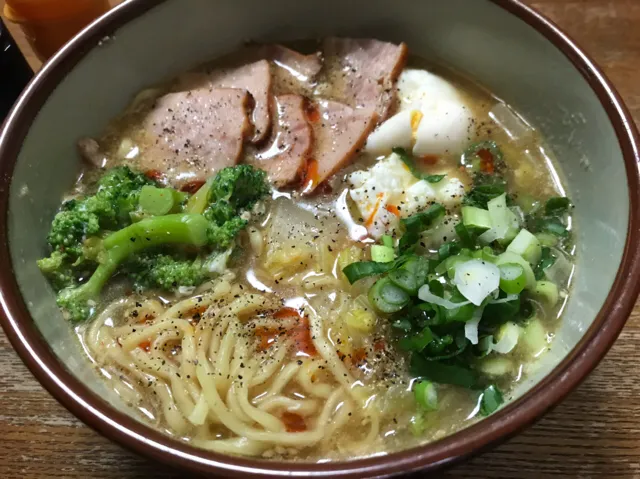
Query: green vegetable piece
[[382, 254], [495, 314], [448, 249], [466, 236], [526, 245], [509, 257], [386, 297], [157, 201], [547, 239], [411, 274], [485, 254], [152, 270], [417, 342], [363, 269], [442, 372], [486, 188], [476, 218], [487, 151], [512, 278], [200, 200], [547, 292], [416, 224], [557, 206], [387, 241], [491, 400], [407, 160], [547, 259], [553, 226], [426, 395], [79, 302], [461, 314]]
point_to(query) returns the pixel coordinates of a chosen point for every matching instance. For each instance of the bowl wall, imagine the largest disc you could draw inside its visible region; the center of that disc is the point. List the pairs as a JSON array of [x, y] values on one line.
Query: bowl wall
[[476, 37]]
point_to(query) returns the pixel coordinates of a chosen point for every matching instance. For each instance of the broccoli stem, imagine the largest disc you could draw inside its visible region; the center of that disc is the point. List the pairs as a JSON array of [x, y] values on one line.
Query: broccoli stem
[[159, 230], [188, 229]]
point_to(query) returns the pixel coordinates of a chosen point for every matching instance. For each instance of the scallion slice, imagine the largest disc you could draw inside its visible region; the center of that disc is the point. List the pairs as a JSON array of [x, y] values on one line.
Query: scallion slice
[[387, 297], [426, 395], [512, 278]]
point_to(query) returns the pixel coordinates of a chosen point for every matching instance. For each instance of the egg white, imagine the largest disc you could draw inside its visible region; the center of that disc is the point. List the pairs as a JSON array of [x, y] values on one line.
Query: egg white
[[433, 118], [388, 191]]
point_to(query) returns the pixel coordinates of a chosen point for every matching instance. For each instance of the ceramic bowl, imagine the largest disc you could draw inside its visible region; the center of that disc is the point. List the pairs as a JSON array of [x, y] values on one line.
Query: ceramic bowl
[[507, 47]]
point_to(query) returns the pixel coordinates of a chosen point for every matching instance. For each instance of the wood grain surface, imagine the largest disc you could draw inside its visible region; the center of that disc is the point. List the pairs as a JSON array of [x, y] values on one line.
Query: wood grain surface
[[595, 432]]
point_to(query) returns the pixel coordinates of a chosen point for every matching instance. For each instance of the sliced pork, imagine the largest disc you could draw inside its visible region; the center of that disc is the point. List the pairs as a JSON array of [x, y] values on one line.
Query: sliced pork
[[193, 134], [363, 72], [254, 77], [304, 68], [339, 133], [285, 158]]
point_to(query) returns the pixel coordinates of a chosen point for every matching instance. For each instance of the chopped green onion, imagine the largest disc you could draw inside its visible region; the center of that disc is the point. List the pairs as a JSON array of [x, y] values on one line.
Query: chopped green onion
[[547, 239], [487, 187], [547, 292], [491, 400], [547, 259], [426, 395], [441, 372], [156, 201], [526, 245], [386, 297], [553, 226], [448, 249], [467, 238], [485, 254], [417, 342], [402, 324], [407, 160], [411, 275], [512, 278], [418, 223], [363, 269], [476, 218], [387, 241], [507, 338], [509, 257], [477, 279], [557, 206], [382, 254]]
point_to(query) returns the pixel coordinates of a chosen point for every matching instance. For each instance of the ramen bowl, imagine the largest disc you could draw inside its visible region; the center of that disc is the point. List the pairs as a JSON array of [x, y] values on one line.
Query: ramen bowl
[[510, 49]]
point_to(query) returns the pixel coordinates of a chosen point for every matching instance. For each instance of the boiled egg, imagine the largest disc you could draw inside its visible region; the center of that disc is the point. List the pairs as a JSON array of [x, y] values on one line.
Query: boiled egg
[[388, 191], [433, 118]]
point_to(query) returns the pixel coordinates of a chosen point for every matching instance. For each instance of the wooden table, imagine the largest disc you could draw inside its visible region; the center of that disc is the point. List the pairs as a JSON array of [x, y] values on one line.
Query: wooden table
[[594, 432]]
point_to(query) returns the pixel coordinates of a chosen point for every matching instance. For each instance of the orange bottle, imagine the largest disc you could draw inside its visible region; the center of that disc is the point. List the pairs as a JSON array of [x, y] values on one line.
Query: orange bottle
[[49, 24]]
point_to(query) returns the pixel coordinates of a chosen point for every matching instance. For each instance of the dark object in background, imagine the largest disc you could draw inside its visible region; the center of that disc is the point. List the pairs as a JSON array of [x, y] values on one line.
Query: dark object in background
[[15, 72]]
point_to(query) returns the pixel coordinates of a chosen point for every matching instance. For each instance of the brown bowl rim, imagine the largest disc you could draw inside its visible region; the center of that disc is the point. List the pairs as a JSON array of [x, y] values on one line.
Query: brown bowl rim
[[97, 413]]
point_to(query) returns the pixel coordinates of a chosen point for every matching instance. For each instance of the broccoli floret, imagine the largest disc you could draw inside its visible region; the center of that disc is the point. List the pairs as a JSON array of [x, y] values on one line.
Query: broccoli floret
[[233, 191], [108, 209], [241, 186], [222, 236], [117, 196], [80, 239], [70, 227], [151, 270], [60, 273], [184, 229], [79, 302]]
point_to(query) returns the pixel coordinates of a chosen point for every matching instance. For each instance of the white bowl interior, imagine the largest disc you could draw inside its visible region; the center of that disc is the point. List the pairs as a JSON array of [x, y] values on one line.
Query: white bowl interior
[[476, 37]]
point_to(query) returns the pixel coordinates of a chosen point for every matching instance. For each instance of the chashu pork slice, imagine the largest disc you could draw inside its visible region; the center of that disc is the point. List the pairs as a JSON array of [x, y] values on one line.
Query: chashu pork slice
[[193, 134], [253, 77], [285, 158], [363, 72], [339, 133]]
